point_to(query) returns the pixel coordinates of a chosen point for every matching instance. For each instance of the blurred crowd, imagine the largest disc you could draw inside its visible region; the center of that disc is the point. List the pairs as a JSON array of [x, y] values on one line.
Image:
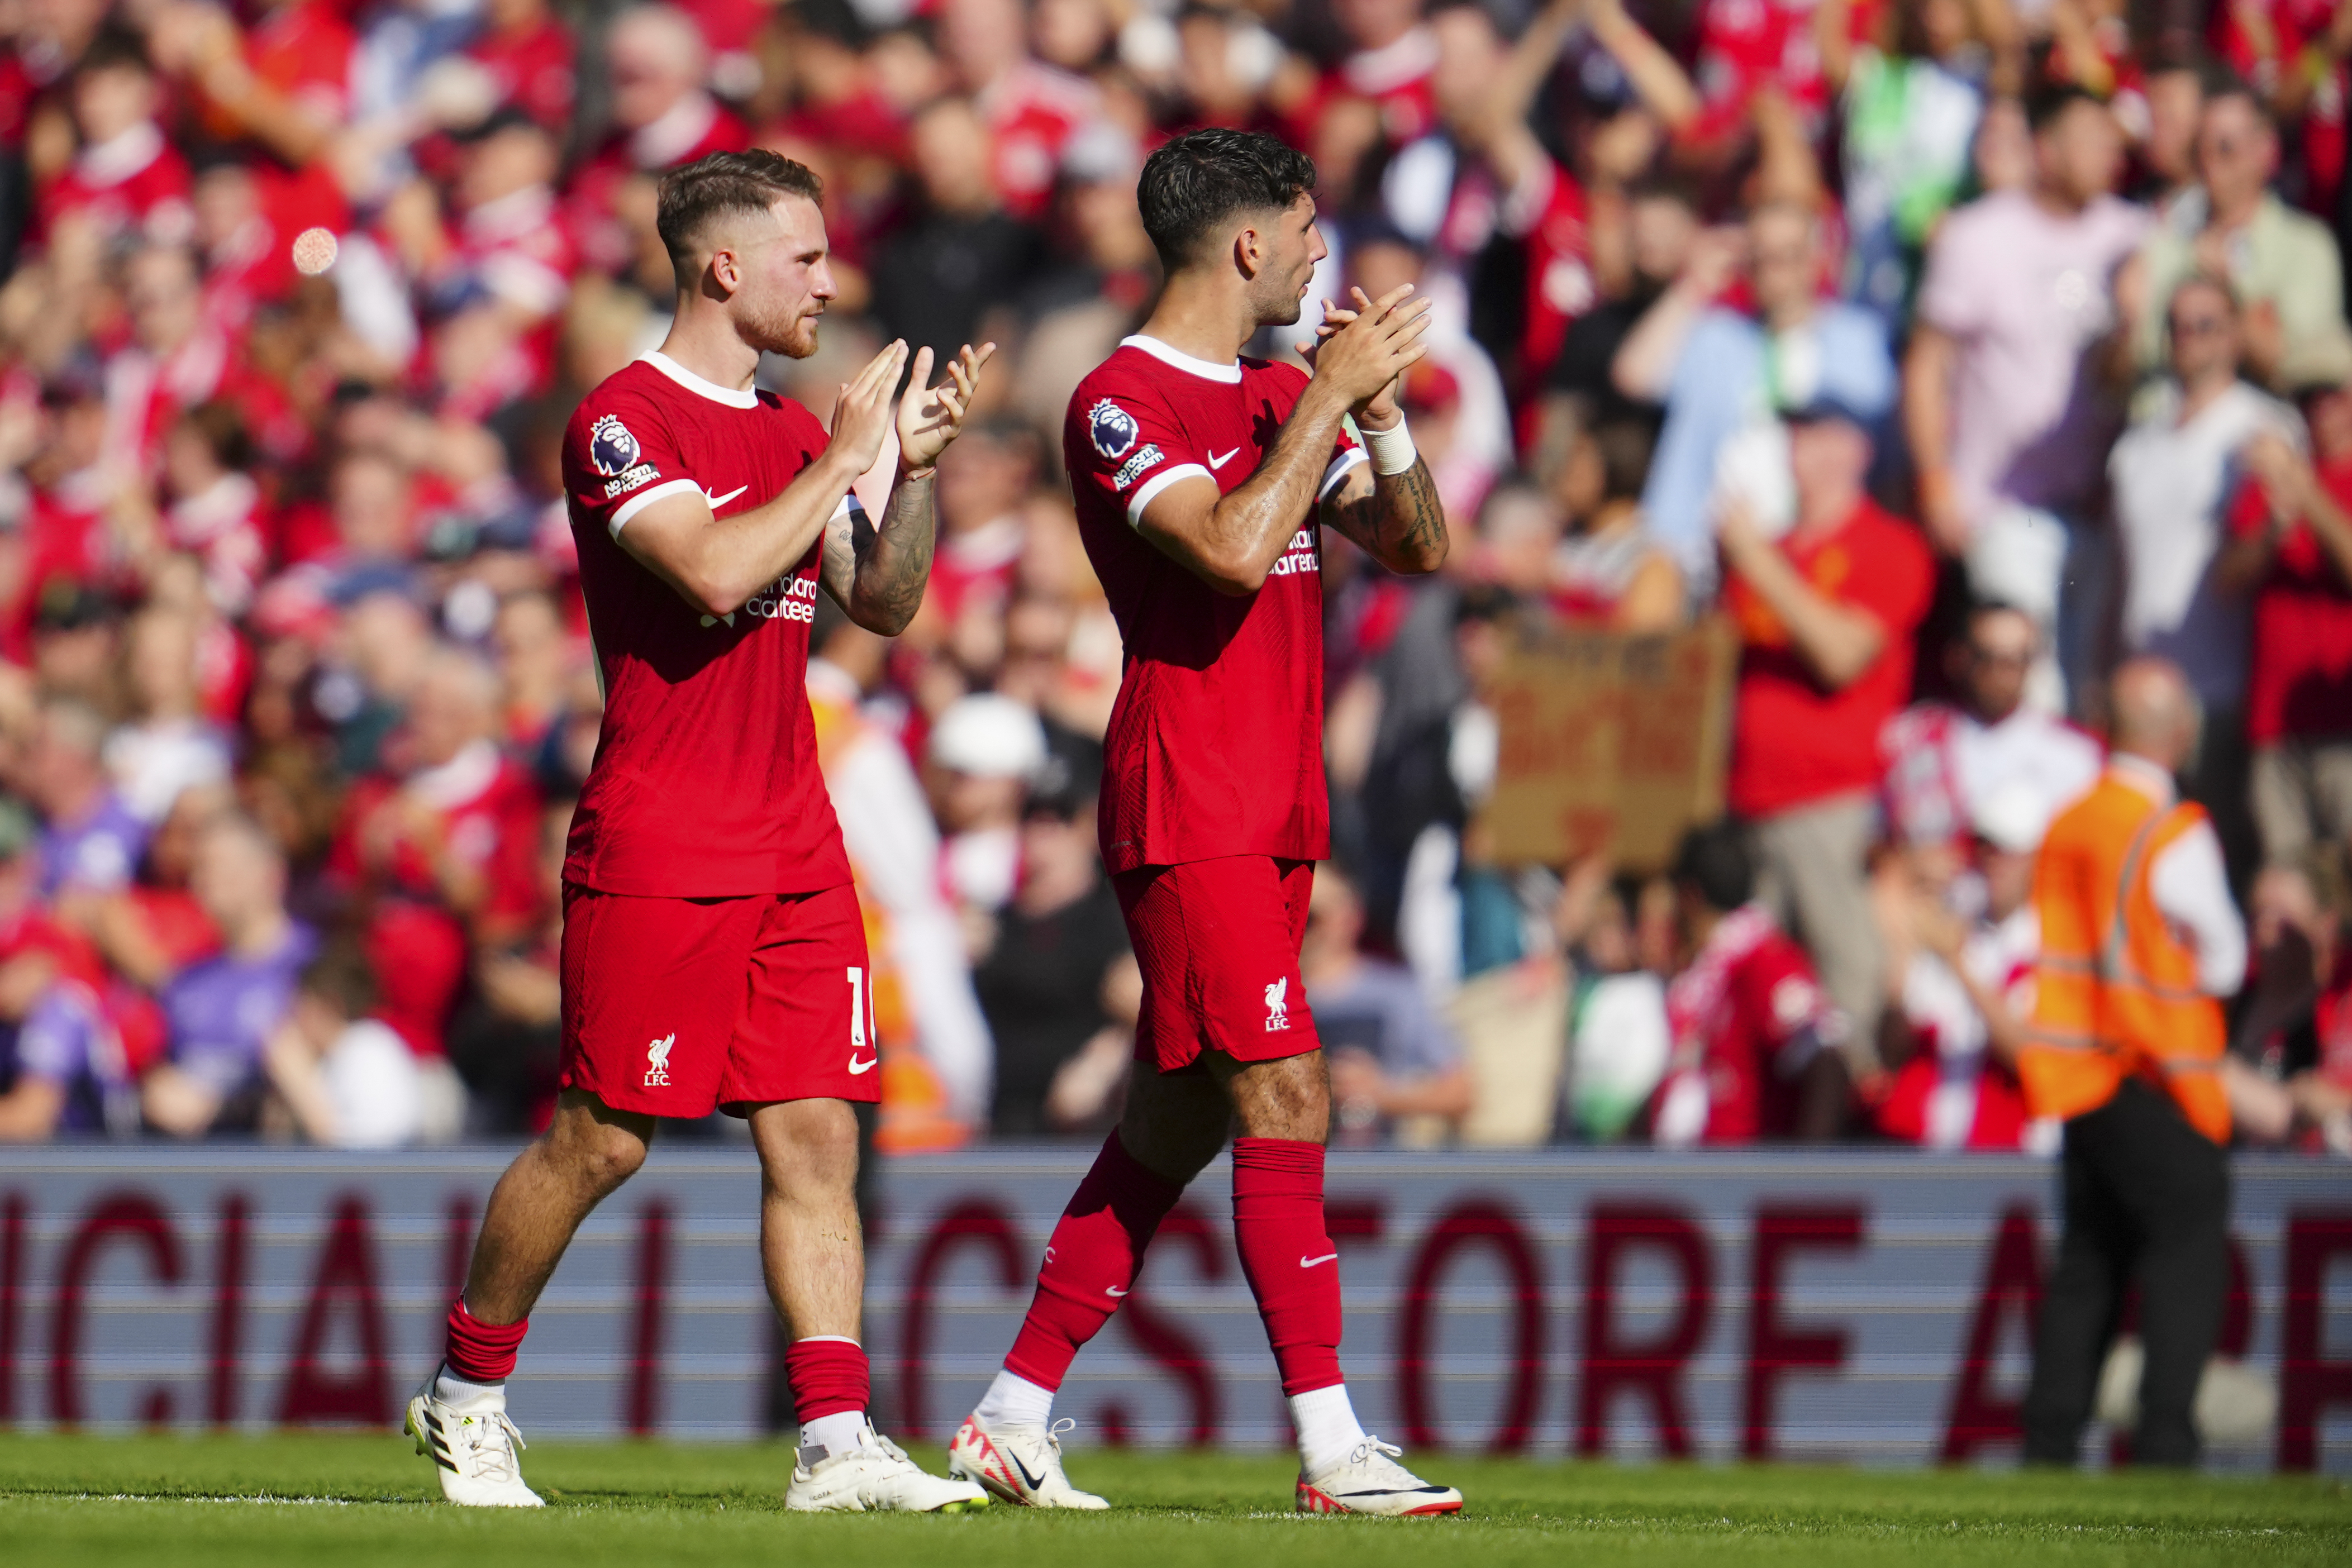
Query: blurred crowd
[[1951, 351]]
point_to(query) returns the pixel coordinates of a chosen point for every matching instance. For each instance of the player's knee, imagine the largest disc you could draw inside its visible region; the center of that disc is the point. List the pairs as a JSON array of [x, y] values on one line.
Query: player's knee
[[1289, 1099], [807, 1145], [613, 1155], [598, 1154]]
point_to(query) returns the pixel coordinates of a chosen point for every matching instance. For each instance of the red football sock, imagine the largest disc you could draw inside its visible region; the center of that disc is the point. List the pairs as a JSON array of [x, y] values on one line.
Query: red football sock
[[829, 1377], [1291, 1264], [477, 1352], [1092, 1261]]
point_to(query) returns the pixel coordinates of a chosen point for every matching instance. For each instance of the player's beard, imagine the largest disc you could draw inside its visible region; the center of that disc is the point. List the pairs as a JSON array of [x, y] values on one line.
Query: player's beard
[[793, 335], [1283, 307]]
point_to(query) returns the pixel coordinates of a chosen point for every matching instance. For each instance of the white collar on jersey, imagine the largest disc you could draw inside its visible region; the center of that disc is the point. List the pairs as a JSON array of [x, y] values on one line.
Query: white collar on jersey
[[1206, 369], [702, 388]]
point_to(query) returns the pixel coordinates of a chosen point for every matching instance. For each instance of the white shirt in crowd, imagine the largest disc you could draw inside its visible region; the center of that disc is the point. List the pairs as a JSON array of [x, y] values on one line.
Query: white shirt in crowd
[[2057, 761], [153, 762], [1935, 1002], [2172, 483], [2192, 886], [372, 1080], [888, 831]]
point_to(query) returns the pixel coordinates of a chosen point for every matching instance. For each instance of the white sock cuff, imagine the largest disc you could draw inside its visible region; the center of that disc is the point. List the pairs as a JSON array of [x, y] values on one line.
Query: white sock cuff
[[824, 1339], [1328, 1427], [452, 1389], [1012, 1400], [835, 1434]]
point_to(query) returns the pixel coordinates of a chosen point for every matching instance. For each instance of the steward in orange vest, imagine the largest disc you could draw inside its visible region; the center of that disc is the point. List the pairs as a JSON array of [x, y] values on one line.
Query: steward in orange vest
[[2116, 988], [2140, 939]]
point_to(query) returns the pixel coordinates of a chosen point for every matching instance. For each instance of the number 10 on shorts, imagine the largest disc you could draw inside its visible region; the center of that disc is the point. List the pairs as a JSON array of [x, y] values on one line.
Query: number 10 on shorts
[[861, 1025]]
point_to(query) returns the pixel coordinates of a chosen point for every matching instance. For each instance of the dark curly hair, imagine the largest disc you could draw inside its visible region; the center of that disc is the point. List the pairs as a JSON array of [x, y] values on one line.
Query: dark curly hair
[[1194, 184]]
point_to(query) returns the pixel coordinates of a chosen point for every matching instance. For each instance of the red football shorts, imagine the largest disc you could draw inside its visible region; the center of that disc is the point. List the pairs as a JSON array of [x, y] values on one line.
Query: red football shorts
[[674, 1007], [1218, 945]]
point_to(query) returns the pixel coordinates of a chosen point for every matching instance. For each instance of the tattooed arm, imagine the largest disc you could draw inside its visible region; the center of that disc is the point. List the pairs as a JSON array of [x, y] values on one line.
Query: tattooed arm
[[1396, 519], [877, 574]]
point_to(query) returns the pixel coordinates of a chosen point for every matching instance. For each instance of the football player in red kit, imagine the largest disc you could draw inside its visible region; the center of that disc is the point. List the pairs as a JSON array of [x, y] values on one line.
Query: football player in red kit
[[713, 951], [1202, 479]]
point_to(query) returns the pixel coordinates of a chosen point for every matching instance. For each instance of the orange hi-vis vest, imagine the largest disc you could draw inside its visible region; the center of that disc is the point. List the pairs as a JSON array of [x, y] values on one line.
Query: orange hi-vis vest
[[2115, 991]]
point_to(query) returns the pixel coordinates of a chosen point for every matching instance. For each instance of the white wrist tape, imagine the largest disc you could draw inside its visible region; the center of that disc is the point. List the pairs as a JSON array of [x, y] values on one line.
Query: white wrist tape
[[1393, 450]]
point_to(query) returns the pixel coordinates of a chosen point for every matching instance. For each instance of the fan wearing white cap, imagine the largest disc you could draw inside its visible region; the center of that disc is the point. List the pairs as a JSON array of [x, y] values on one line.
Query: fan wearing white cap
[[1965, 986], [978, 760]]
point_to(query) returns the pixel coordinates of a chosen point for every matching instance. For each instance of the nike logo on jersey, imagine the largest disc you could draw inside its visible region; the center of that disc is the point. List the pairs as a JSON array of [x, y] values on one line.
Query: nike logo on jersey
[[1310, 1262], [719, 501], [1113, 1291], [1216, 461], [858, 1067]]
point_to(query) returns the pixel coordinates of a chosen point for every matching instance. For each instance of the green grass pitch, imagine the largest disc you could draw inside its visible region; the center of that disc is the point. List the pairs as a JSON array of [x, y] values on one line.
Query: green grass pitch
[[344, 1501]]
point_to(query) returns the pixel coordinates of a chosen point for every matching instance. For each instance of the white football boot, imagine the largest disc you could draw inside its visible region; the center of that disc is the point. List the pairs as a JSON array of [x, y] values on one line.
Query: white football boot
[[876, 1477], [1022, 1465], [1368, 1479], [472, 1448]]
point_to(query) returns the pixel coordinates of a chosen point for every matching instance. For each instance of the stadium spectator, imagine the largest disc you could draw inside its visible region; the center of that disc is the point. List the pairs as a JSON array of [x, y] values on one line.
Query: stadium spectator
[[1028, 110], [2291, 547], [1961, 982], [658, 64], [1946, 759], [346, 1080], [126, 181], [91, 839], [170, 746], [1608, 569], [221, 1009], [1909, 118], [1726, 374], [1393, 1059], [63, 1069], [2174, 474], [981, 755], [1755, 1043], [1057, 981], [2007, 404], [939, 276], [2281, 264], [935, 1047], [1661, 225], [1826, 616]]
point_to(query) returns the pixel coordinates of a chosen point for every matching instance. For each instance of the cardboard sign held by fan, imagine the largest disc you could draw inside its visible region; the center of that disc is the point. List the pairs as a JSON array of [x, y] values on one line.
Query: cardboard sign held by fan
[[1610, 742]]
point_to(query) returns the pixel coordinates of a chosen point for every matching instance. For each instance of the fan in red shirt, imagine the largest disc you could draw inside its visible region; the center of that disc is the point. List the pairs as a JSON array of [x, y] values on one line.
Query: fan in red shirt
[[126, 179], [2291, 544], [1826, 616], [713, 953], [663, 117], [529, 54], [443, 851], [1754, 1037], [1202, 480]]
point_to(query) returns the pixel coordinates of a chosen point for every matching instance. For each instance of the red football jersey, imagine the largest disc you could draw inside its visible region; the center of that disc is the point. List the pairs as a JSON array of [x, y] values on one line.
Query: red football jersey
[[705, 782], [1216, 741], [1746, 1002]]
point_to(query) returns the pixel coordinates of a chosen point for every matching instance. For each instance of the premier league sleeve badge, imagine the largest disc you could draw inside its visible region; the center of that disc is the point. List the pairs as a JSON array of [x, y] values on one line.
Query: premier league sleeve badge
[[1112, 429]]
